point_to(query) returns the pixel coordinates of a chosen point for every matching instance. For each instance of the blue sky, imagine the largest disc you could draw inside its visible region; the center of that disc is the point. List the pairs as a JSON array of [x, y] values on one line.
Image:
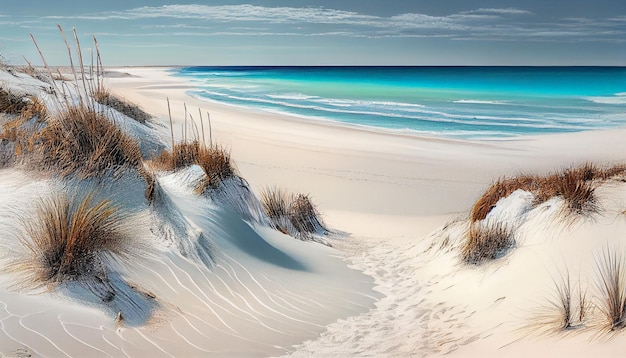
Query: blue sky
[[323, 32]]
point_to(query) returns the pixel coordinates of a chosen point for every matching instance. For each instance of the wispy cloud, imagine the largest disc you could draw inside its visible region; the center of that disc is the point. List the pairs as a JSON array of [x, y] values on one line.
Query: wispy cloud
[[504, 24]]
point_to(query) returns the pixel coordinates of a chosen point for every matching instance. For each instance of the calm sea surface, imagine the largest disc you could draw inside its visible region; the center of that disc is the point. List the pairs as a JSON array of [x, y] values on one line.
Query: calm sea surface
[[457, 102]]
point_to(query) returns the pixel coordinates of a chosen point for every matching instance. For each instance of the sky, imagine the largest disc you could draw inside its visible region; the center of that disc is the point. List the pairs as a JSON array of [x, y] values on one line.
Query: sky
[[320, 32]]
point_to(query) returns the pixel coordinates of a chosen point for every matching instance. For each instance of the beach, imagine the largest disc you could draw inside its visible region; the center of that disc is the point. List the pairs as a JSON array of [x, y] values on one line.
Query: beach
[[395, 267], [389, 192]]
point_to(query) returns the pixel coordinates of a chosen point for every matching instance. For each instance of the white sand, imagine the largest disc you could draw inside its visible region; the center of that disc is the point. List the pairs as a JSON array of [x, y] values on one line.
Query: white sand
[[391, 192]]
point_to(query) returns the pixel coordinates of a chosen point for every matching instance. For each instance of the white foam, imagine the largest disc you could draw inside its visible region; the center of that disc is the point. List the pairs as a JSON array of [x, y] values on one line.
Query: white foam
[[477, 101]]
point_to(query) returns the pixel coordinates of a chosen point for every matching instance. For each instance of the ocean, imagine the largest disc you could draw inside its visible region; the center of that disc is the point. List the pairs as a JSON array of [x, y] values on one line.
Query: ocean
[[454, 102]]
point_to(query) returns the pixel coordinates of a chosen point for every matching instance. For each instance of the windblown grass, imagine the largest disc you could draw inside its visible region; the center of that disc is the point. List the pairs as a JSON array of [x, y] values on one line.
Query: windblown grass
[[304, 215], [214, 160], [275, 202], [563, 302], [131, 110], [71, 238], [498, 190], [486, 241], [292, 214], [611, 284], [11, 103], [85, 143], [575, 185]]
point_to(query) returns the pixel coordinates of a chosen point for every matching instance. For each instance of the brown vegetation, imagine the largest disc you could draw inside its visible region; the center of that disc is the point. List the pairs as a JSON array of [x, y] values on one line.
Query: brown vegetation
[[70, 237], [575, 185], [83, 142], [297, 211], [214, 160], [486, 241], [131, 110]]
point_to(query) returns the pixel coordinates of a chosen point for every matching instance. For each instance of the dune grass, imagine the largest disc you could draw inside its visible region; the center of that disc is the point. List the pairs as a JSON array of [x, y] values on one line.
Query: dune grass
[[304, 215], [288, 211], [83, 142], [275, 202], [70, 237], [563, 302], [575, 185], [131, 110], [11, 103], [611, 284], [214, 160], [486, 241]]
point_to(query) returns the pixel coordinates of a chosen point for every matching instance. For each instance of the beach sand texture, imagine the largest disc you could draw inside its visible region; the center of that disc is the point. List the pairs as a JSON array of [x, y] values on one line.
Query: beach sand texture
[[392, 284]]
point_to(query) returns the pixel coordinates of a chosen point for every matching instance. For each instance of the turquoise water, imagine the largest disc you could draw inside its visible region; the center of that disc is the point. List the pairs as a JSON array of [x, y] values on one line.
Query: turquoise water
[[461, 102]]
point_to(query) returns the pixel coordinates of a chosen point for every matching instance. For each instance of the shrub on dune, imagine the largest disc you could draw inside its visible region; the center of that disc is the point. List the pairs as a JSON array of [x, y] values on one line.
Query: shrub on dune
[[71, 237], [85, 143], [486, 241]]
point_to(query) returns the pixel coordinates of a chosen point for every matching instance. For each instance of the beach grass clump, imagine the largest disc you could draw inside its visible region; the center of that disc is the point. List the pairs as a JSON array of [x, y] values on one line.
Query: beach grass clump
[[214, 160], [276, 203], [291, 214], [11, 103], [611, 284], [564, 303], [71, 236], [498, 190], [217, 165], [304, 215], [131, 110], [575, 185], [486, 241], [83, 142]]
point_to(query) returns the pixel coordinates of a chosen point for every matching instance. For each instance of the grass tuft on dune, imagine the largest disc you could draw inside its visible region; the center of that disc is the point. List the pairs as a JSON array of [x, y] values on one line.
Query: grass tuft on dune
[[83, 142], [292, 214], [104, 97], [575, 185], [214, 160], [70, 238], [611, 284], [486, 241]]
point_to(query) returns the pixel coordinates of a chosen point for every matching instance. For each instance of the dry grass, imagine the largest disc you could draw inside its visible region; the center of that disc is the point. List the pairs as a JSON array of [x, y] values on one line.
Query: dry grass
[[70, 238], [131, 110], [486, 241], [288, 211], [215, 161], [275, 202], [498, 190], [85, 143], [304, 216], [611, 285], [11, 103], [563, 302], [575, 185]]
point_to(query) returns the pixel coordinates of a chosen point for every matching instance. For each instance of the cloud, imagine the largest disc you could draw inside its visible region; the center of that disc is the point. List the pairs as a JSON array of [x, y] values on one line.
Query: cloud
[[504, 24]]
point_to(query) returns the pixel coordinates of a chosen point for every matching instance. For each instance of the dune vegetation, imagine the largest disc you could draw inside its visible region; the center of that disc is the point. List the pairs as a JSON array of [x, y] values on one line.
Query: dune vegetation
[[76, 131]]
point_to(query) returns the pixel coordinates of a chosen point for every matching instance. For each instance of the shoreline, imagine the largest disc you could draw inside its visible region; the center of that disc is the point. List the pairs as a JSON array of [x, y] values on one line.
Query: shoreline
[[313, 152]]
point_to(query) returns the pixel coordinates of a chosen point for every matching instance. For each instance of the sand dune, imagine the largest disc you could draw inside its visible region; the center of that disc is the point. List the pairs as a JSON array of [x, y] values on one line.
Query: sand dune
[[215, 279]]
